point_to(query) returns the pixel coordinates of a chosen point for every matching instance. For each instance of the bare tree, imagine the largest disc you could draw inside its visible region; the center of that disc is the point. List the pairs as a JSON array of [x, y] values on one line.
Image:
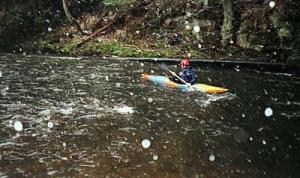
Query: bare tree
[[70, 18]]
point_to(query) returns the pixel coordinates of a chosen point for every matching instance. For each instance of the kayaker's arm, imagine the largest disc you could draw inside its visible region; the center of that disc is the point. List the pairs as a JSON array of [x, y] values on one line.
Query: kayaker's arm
[[175, 75]]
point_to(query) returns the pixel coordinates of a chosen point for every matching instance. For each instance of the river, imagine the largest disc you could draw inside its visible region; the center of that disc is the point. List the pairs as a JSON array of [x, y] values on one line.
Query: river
[[72, 117]]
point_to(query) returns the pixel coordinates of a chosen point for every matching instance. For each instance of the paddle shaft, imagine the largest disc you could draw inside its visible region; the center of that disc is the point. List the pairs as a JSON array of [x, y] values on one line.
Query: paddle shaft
[[174, 74]]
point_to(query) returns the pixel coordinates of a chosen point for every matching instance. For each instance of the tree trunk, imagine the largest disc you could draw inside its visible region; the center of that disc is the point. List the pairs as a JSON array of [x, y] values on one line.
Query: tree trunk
[[227, 22], [70, 18]]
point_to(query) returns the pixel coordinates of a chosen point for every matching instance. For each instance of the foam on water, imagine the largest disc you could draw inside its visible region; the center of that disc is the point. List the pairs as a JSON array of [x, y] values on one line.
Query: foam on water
[[208, 99], [124, 109]]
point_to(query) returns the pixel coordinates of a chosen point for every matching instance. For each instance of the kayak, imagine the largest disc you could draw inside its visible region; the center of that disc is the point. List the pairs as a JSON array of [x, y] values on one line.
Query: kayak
[[166, 82]]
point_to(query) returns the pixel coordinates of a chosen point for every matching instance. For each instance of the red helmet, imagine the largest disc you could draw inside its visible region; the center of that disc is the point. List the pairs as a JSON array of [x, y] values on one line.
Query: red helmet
[[185, 63]]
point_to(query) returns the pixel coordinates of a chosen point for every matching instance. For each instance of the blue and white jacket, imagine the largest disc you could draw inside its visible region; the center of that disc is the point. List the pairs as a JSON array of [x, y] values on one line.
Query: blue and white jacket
[[188, 75]]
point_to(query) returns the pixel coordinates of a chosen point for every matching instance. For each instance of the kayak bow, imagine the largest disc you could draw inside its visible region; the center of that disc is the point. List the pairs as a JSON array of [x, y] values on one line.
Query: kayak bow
[[166, 82]]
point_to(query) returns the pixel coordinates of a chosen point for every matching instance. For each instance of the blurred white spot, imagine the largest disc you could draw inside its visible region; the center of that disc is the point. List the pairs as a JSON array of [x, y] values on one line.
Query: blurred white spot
[[18, 126], [150, 100], [231, 41], [146, 143], [212, 157], [124, 109], [264, 142], [137, 32], [49, 29], [251, 138], [272, 4], [16, 136], [131, 93], [243, 115], [67, 111], [199, 46], [237, 69], [0, 73], [50, 125], [152, 72], [10, 123], [196, 29], [51, 173], [268, 112], [155, 157], [188, 14], [189, 54], [187, 27], [142, 64], [64, 144], [106, 78], [118, 85], [45, 112]]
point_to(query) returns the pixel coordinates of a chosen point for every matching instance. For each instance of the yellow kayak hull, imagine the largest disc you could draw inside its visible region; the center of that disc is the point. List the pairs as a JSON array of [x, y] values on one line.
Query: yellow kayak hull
[[166, 82]]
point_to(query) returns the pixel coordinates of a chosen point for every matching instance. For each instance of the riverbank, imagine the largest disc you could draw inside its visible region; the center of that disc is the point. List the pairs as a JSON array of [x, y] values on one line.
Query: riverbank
[[172, 29]]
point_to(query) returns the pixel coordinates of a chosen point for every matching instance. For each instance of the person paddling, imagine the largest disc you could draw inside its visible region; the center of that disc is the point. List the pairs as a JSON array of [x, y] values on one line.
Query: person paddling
[[187, 73]]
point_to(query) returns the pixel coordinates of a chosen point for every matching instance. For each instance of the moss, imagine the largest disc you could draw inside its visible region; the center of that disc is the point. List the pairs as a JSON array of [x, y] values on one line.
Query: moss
[[111, 47], [69, 47]]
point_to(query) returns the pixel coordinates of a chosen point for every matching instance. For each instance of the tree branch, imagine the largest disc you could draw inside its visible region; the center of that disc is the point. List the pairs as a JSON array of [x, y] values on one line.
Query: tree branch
[[70, 18], [96, 33]]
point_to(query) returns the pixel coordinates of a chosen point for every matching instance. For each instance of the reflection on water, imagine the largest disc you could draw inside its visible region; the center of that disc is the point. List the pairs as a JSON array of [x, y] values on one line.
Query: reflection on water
[[95, 118]]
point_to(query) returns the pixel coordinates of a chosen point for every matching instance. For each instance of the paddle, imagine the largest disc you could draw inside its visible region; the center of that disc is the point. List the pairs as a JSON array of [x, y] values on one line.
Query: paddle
[[164, 66]]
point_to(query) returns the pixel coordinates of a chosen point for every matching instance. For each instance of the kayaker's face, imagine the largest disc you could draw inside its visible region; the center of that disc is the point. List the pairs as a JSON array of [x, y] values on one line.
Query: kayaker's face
[[183, 67]]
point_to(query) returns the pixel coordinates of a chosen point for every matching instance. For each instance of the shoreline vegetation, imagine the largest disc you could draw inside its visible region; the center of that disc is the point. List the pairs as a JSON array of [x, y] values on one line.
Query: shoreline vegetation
[[205, 29]]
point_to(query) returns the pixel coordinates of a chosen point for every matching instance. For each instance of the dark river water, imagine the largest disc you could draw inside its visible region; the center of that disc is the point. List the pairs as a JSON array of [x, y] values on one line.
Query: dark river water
[[66, 117]]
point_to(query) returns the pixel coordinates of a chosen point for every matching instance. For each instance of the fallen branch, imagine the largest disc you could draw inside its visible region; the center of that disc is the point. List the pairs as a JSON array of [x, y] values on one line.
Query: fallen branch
[[96, 33]]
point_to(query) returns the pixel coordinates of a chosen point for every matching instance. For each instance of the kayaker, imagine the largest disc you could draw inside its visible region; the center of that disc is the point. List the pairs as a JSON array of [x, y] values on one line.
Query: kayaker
[[187, 73]]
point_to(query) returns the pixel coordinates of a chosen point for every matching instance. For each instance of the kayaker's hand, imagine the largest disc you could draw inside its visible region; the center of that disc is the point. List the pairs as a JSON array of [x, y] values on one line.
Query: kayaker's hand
[[190, 86]]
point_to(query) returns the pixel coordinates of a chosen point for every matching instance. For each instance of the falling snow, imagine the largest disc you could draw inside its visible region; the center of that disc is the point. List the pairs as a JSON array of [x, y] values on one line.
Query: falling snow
[[50, 125], [268, 112], [272, 4], [196, 29], [18, 126], [212, 157], [146, 143], [150, 100]]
